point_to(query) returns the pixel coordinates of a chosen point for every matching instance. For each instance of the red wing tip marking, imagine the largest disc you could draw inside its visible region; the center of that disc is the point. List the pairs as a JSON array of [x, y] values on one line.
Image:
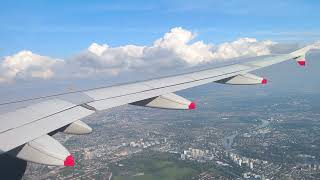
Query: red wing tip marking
[[264, 81], [302, 62], [69, 161], [192, 105]]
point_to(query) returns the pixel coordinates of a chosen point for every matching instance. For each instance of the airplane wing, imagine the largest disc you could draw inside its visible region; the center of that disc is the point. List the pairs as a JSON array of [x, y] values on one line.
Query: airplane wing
[[26, 132]]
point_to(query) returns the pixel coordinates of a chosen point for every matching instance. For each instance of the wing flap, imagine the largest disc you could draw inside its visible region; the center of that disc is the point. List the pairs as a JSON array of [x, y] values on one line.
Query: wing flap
[[31, 113], [119, 90]]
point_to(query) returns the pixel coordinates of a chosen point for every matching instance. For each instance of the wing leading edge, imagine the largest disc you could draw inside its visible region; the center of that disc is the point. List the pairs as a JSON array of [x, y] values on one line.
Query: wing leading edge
[[23, 127]]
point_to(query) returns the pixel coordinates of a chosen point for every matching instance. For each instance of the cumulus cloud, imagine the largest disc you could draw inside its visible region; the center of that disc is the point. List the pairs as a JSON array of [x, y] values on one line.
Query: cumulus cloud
[[98, 59], [178, 41], [26, 64], [247, 47], [176, 48], [97, 49]]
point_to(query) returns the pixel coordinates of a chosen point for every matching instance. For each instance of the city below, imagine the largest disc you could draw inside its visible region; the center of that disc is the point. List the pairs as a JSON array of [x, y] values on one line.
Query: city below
[[226, 137]]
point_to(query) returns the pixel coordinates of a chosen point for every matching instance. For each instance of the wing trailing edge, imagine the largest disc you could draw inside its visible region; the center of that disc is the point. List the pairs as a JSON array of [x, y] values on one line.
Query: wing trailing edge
[[300, 54]]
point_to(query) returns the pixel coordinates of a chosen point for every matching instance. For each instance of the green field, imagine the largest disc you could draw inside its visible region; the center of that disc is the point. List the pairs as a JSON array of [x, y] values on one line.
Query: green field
[[160, 166], [153, 166]]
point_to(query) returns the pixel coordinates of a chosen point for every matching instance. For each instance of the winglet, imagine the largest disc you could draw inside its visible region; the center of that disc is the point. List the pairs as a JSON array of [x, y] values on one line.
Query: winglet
[[304, 50], [301, 60], [300, 54]]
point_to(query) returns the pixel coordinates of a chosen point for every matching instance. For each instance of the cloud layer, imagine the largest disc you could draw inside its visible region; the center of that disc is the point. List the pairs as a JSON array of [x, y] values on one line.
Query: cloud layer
[[176, 48]]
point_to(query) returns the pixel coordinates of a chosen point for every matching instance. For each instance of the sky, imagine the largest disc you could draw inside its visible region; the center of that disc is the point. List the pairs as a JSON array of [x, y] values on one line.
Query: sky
[[43, 41], [62, 28]]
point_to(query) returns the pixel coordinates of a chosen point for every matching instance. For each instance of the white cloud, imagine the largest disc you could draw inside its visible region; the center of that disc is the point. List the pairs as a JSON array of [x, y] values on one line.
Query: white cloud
[[177, 42], [26, 64], [176, 48], [97, 49], [243, 47]]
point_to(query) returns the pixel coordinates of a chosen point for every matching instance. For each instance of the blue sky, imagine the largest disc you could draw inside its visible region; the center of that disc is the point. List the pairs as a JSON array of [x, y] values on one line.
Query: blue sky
[[63, 28]]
